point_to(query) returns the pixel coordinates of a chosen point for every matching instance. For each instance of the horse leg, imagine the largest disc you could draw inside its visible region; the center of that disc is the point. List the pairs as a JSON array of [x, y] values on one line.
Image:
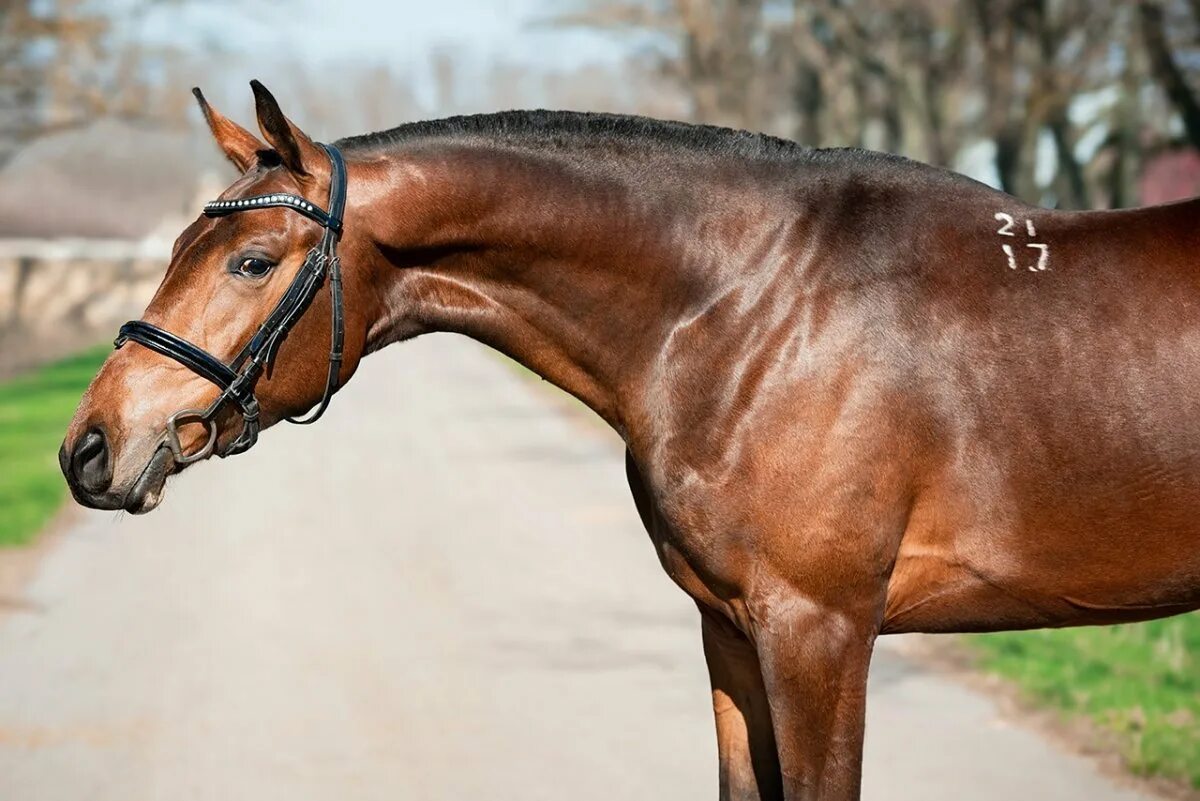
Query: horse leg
[[749, 766], [815, 660]]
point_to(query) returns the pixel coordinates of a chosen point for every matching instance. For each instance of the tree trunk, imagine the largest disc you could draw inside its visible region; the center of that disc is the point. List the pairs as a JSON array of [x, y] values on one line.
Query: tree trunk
[[809, 102], [1068, 165], [1166, 71]]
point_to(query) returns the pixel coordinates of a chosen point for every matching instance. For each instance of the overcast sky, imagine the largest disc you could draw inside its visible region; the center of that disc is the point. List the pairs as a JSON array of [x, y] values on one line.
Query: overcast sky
[[398, 33]]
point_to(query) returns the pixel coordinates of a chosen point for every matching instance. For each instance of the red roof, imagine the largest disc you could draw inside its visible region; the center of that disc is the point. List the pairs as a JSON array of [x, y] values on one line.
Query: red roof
[[1174, 175]]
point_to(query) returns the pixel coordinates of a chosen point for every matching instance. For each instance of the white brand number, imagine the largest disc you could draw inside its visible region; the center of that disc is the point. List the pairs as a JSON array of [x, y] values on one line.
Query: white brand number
[[1007, 224]]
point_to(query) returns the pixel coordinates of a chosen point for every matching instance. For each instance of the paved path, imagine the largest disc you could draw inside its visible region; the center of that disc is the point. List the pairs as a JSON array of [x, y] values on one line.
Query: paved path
[[439, 592]]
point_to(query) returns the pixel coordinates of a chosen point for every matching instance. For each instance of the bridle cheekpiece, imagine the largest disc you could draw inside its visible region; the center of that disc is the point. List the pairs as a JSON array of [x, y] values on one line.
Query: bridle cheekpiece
[[237, 379]]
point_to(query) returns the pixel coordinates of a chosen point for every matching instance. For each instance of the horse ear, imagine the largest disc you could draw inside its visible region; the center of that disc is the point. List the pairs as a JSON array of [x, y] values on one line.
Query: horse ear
[[239, 145], [299, 153]]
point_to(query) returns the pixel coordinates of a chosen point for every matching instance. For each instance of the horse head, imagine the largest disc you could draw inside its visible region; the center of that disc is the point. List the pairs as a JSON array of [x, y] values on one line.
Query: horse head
[[237, 335]]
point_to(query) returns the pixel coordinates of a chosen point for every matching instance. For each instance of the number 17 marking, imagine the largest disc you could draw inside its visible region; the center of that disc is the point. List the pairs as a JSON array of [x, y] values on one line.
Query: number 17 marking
[[1043, 256]]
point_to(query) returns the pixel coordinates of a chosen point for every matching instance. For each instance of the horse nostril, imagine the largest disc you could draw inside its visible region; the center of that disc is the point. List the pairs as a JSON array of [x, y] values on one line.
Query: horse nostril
[[90, 463]]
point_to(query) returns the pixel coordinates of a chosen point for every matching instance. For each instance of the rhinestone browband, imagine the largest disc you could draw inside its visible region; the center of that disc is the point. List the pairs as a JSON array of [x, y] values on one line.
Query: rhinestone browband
[[218, 208]]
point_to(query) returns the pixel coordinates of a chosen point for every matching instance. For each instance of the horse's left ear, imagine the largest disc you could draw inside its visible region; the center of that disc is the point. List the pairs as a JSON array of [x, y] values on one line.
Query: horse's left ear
[[299, 153]]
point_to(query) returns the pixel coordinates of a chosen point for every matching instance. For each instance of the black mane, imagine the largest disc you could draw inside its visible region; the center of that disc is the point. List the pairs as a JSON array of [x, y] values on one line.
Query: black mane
[[554, 129]]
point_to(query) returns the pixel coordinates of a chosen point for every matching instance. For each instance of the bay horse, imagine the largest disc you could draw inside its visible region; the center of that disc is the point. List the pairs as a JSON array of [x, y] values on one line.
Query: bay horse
[[859, 395]]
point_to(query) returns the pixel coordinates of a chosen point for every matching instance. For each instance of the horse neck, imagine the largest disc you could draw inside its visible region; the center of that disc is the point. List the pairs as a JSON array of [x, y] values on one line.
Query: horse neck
[[570, 270]]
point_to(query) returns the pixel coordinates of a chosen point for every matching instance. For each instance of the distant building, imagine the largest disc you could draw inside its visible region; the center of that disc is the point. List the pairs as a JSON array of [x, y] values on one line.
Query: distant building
[[87, 219], [110, 180]]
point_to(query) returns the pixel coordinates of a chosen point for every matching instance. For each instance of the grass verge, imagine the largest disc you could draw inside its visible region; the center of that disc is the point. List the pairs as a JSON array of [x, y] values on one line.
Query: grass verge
[[34, 411], [1140, 683]]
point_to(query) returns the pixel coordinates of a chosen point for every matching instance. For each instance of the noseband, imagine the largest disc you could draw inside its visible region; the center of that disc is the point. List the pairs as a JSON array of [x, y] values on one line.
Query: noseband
[[237, 379]]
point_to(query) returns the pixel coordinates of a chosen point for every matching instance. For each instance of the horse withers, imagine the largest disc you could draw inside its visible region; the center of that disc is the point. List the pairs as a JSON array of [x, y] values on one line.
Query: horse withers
[[859, 395]]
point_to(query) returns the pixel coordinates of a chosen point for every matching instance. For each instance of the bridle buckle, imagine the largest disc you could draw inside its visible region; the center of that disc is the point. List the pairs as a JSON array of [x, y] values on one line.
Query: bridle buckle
[[191, 416]]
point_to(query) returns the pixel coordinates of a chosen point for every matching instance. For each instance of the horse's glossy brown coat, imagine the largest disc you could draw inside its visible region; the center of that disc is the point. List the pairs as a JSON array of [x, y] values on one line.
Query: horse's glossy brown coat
[[845, 412]]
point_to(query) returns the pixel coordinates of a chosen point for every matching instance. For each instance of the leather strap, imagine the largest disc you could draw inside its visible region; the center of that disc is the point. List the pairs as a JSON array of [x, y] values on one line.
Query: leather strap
[[337, 331], [159, 340]]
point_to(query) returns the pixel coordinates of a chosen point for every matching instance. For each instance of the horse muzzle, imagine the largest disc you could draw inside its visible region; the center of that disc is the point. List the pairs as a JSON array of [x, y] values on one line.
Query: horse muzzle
[[88, 467]]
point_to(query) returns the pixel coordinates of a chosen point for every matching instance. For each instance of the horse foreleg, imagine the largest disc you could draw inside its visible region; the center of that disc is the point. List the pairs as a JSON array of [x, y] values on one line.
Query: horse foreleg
[[815, 660], [749, 765]]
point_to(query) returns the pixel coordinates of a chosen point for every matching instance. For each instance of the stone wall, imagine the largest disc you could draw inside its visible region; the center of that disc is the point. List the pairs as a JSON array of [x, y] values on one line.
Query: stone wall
[[58, 295], [55, 302]]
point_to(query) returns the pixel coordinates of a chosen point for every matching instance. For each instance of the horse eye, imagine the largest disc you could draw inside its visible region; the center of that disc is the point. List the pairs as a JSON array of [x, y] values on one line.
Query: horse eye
[[255, 268]]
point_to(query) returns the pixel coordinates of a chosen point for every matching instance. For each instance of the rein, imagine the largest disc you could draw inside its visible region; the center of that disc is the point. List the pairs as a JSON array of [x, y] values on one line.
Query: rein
[[238, 378]]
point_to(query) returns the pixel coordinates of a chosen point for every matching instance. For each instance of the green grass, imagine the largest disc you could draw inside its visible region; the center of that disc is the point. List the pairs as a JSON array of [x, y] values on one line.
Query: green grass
[[34, 411], [1141, 683]]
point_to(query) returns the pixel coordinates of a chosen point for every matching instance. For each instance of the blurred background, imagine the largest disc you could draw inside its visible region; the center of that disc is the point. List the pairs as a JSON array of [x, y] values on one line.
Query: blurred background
[[1066, 103], [103, 160]]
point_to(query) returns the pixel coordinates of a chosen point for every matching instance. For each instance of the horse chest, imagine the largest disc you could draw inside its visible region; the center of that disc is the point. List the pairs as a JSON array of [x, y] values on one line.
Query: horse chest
[[688, 541]]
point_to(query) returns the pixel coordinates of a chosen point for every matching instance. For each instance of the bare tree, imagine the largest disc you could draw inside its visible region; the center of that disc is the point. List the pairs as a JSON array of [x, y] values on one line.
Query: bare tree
[[62, 66], [713, 49], [932, 79]]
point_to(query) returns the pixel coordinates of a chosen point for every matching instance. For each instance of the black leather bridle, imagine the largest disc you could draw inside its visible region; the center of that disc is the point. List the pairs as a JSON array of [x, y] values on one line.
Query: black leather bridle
[[238, 378]]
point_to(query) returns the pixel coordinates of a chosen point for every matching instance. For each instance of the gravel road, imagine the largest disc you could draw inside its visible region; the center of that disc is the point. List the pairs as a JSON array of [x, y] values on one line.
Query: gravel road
[[441, 591]]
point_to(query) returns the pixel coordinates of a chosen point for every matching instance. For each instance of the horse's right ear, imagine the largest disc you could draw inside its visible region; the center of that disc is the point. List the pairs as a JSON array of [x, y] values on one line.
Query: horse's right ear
[[239, 145]]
